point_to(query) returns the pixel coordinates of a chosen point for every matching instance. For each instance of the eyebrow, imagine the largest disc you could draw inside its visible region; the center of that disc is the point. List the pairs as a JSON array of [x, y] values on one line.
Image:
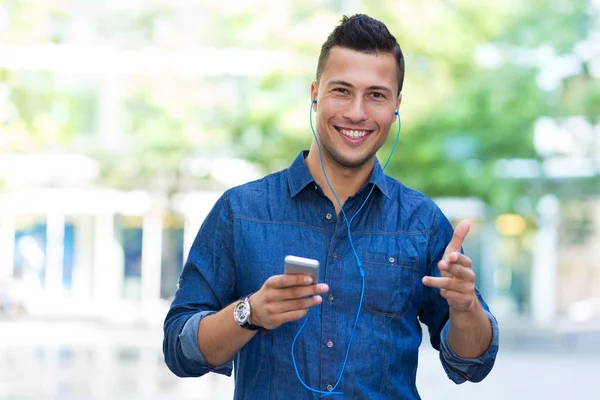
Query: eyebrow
[[374, 87]]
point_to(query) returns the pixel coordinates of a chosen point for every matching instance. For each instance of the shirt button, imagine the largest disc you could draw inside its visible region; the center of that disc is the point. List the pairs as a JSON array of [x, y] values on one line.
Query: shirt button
[[328, 216], [334, 255], [330, 297], [392, 259], [329, 388], [329, 344], [316, 187]]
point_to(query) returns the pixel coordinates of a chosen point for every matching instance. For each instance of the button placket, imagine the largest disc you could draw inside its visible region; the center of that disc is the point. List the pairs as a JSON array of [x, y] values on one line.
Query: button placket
[[329, 328]]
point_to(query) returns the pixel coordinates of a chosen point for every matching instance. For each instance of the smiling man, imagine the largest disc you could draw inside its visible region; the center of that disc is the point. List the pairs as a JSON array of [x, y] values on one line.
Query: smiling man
[[389, 259]]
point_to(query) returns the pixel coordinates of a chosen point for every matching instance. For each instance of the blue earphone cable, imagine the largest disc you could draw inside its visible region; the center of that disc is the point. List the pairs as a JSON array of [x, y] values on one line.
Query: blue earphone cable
[[361, 271]]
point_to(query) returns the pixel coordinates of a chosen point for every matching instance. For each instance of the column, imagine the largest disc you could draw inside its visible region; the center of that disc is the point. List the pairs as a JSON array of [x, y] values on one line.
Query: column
[[108, 260], [55, 236], [7, 244], [151, 256], [545, 262], [84, 257]]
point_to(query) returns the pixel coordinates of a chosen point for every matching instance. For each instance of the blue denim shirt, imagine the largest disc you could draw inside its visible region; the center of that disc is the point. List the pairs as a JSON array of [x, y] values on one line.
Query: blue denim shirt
[[400, 235]]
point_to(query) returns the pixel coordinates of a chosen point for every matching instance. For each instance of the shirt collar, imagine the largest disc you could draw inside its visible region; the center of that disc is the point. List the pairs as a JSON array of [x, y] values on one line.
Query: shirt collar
[[299, 177], [382, 183]]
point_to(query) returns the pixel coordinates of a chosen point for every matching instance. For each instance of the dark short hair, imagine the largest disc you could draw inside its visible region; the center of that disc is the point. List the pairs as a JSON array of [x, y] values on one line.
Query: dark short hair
[[363, 33]]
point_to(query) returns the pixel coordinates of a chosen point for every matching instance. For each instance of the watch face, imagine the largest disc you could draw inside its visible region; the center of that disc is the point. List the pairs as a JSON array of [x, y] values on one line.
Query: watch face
[[241, 312]]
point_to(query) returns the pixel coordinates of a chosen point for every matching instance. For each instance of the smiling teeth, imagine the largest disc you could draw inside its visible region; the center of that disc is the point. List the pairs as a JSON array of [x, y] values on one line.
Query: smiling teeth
[[354, 134]]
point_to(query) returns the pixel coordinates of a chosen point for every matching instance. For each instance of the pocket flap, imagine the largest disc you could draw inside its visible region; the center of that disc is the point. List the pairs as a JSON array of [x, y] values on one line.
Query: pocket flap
[[392, 260]]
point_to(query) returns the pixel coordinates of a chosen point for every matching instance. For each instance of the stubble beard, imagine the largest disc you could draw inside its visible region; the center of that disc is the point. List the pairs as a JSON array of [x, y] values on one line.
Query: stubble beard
[[336, 157]]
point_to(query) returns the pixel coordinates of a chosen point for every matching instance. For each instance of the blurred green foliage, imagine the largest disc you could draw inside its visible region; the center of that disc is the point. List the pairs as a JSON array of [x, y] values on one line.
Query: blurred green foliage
[[471, 98]]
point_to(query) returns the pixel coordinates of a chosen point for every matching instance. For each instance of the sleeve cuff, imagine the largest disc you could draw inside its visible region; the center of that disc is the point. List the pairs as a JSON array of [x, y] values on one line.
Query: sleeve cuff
[[188, 339], [460, 369]]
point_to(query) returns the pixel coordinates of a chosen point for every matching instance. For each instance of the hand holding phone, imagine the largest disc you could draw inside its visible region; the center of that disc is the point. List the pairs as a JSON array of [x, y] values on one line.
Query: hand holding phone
[[287, 297]]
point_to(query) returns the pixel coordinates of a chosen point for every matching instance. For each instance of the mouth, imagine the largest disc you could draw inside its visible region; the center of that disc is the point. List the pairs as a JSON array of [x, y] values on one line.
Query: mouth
[[353, 135]]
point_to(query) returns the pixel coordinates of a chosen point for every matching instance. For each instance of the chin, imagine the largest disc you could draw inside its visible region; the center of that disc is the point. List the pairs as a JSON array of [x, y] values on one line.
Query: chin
[[352, 162]]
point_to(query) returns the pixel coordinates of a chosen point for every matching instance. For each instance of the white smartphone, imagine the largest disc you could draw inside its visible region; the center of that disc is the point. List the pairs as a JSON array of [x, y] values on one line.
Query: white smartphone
[[302, 266]]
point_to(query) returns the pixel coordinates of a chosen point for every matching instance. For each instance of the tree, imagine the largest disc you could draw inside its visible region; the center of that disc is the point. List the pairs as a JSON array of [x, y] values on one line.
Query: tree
[[474, 88]]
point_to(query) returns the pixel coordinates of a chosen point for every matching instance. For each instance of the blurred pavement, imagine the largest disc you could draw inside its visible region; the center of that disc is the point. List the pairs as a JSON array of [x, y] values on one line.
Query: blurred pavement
[[59, 359]]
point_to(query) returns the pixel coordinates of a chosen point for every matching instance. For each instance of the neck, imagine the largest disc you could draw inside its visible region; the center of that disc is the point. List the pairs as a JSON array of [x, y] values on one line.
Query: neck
[[345, 181]]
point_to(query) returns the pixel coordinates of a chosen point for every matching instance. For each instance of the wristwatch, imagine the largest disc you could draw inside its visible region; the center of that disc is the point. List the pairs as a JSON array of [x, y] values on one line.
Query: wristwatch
[[242, 312]]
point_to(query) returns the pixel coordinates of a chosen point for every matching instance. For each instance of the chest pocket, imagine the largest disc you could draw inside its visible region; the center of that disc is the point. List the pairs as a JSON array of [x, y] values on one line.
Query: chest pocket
[[390, 283]]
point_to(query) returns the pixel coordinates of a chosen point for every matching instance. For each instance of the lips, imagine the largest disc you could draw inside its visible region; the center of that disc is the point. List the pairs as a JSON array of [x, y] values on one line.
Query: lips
[[353, 134]]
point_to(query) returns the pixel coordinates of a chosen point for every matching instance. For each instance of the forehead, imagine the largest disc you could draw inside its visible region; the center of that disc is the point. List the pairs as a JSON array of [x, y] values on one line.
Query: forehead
[[360, 69]]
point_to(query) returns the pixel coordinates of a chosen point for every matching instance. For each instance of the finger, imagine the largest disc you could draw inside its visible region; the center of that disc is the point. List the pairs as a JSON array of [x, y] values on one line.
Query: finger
[[456, 257], [296, 292], [290, 316], [285, 306], [456, 285], [288, 280], [459, 235], [275, 294], [457, 270]]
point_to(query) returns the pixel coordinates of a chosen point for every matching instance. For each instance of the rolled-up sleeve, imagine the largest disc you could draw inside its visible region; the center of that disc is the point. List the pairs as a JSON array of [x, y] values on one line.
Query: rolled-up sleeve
[[206, 286], [461, 369], [189, 347]]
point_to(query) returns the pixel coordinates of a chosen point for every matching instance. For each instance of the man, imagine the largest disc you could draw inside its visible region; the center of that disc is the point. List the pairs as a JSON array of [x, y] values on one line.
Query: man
[[410, 257]]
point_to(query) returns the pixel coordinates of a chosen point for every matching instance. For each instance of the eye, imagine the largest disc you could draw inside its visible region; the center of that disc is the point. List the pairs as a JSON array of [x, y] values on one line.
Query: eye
[[340, 90], [378, 95]]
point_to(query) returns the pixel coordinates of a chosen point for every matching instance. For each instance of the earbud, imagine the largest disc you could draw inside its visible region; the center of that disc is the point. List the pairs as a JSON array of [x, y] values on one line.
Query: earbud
[[314, 100], [396, 112]]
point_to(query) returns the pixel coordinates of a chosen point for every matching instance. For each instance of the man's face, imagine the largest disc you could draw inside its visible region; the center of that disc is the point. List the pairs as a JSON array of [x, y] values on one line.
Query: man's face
[[356, 103]]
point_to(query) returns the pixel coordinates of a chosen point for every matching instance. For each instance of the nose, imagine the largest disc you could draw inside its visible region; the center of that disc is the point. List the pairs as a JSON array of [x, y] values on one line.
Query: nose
[[355, 112]]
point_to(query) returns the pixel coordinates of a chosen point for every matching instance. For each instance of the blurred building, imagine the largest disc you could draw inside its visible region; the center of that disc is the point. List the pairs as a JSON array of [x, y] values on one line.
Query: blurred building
[[70, 250]]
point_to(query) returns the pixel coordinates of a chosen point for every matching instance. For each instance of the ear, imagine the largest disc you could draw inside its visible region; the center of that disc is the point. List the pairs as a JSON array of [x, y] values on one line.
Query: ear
[[314, 93], [398, 101]]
